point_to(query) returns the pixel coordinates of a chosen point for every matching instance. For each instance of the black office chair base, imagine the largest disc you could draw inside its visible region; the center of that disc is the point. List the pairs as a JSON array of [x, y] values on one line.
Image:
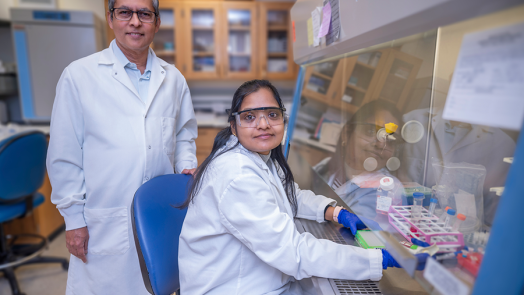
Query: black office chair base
[[13, 256]]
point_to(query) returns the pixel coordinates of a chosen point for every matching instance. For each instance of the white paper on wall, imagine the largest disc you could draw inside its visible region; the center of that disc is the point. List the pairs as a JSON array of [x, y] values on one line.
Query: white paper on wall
[[488, 82]]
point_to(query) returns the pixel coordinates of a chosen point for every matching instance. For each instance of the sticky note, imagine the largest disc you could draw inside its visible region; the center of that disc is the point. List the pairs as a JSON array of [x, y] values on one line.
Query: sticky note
[[310, 37], [326, 20], [315, 15]]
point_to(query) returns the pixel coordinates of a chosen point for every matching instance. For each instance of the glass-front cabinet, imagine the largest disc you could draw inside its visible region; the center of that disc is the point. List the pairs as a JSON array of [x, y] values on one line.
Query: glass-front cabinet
[[372, 127], [240, 33], [201, 20], [165, 41], [275, 40]]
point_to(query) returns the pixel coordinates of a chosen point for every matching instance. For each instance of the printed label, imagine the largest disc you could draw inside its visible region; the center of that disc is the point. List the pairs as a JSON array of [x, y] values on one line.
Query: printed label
[[443, 280], [383, 203]]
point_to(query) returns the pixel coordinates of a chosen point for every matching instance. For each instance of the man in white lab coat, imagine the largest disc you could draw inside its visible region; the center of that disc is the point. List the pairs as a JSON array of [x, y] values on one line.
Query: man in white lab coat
[[121, 117]]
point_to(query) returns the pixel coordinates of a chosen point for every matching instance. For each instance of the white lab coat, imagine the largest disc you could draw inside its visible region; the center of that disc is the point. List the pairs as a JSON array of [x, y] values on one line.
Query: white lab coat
[[486, 146], [105, 143], [239, 236]]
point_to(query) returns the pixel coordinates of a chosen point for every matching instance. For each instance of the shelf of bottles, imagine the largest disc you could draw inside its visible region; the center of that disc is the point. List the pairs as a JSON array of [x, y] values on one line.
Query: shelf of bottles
[[239, 43], [203, 32], [164, 41], [277, 41]]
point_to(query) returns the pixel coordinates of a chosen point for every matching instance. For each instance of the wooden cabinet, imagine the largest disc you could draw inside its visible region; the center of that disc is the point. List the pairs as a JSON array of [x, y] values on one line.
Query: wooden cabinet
[[168, 39], [204, 142], [351, 82], [275, 41], [202, 45], [239, 33], [225, 39]]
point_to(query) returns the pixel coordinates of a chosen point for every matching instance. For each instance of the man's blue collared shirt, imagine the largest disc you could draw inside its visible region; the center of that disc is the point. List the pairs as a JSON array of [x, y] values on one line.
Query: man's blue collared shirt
[[140, 81]]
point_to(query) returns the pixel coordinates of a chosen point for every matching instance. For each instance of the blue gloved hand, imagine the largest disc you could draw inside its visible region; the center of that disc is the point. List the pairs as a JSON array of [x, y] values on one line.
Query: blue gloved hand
[[388, 260], [419, 243], [354, 223]]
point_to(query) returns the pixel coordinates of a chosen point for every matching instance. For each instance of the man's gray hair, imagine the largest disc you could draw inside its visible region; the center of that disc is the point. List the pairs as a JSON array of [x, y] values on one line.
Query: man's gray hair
[[111, 4]]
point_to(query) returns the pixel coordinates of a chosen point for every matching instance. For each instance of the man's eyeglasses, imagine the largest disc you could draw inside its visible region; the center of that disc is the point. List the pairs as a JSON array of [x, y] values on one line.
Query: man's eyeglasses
[[125, 14]]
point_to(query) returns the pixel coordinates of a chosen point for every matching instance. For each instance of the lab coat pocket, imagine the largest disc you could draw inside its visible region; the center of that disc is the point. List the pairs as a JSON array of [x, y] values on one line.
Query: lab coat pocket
[[169, 135], [108, 231]]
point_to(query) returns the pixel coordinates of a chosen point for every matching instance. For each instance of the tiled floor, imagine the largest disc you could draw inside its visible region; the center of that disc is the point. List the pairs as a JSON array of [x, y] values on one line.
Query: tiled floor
[[43, 279]]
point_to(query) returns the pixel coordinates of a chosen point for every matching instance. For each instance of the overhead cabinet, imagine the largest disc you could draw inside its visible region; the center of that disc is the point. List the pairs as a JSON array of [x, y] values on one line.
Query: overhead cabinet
[[226, 39]]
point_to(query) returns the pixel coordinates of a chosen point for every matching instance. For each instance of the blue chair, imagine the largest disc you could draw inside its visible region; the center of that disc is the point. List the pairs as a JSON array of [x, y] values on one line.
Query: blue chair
[[156, 226], [22, 172]]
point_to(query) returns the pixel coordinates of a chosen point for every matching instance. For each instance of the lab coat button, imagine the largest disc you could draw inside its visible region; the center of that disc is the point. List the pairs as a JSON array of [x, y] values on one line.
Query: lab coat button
[[147, 178], [162, 72], [149, 147]]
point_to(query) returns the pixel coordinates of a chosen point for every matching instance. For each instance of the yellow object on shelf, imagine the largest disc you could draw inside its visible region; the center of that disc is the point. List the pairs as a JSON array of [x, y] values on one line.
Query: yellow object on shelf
[[391, 128]]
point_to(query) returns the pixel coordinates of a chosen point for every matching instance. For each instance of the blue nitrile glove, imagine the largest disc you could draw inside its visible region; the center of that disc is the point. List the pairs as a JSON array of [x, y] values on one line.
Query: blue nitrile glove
[[354, 223], [388, 260]]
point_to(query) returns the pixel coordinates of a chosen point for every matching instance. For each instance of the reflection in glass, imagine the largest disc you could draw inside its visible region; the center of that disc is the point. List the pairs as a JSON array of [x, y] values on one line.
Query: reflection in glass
[[347, 172]]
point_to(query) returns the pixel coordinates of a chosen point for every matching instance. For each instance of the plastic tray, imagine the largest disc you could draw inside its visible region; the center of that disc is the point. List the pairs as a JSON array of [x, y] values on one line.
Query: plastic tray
[[427, 228]]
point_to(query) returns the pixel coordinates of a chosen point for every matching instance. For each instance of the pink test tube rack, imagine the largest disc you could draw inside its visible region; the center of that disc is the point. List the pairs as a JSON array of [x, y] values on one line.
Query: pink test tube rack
[[427, 228]]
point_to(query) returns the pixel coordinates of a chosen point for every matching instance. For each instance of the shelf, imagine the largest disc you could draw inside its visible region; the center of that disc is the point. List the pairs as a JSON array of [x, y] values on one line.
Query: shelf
[[318, 74], [166, 28], [203, 28], [165, 52], [241, 54], [395, 76], [277, 28], [277, 54], [203, 53], [365, 65], [356, 88], [239, 28]]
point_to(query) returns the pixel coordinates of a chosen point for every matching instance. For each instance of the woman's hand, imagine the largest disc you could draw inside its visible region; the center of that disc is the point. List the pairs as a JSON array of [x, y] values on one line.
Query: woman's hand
[[354, 223]]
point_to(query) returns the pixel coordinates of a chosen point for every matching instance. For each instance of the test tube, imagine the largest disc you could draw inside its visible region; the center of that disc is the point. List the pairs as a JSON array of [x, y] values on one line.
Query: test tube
[[432, 204], [444, 214], [416, 209], [460, 219], [447, 219]]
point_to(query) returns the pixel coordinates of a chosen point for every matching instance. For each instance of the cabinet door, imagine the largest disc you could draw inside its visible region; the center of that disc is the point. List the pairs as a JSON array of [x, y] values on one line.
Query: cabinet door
[[359, 79], [398, 75], [239, 32], [276, 50], [321, 79], [201, 43], [166, 43]]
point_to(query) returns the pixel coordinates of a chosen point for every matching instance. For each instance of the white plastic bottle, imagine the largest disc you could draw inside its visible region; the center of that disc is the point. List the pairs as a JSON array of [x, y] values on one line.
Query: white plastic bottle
[[385, 195]]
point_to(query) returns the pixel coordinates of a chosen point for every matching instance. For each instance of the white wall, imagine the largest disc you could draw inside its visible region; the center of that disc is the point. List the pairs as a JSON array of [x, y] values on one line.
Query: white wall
[[96, 6]]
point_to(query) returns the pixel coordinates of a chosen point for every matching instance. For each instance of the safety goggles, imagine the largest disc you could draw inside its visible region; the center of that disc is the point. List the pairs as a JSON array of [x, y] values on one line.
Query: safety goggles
[[251, 118]]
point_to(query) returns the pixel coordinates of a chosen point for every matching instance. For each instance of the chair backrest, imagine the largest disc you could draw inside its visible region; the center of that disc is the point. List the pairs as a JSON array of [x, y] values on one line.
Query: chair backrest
[[22, 165], [156, 226]]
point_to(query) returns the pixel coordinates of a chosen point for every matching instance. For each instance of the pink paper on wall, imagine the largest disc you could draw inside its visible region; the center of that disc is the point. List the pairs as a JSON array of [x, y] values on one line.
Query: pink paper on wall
[[326, 20]]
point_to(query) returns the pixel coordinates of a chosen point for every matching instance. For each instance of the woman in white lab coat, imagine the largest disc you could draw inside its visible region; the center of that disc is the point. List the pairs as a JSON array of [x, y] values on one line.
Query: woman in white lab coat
[[239, 236]]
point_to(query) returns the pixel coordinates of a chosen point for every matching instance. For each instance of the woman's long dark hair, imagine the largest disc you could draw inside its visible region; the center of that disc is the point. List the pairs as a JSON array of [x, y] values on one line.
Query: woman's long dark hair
[[223, 136]]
